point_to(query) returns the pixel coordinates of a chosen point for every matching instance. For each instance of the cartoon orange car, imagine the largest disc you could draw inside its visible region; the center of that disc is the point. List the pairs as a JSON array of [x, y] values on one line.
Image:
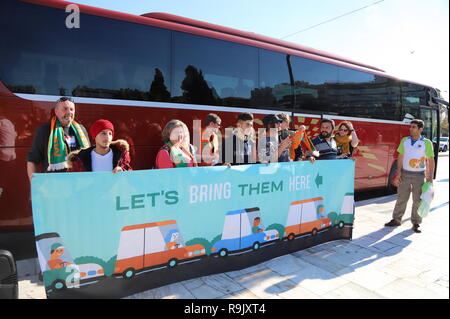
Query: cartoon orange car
[[147, 245], [306, 216]]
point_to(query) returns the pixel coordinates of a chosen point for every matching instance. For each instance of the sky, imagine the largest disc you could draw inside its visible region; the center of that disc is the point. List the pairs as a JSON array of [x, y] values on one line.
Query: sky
[[409, 39]]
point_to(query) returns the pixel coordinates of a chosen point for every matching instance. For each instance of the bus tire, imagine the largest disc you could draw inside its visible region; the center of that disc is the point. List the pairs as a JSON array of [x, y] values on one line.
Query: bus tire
[[256, 246], [291, 237], [314, 231]]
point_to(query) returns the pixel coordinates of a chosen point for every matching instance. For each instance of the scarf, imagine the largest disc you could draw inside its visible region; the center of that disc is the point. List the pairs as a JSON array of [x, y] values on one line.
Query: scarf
[[343, 142], [176, 155], [57, 149], [301, 139]]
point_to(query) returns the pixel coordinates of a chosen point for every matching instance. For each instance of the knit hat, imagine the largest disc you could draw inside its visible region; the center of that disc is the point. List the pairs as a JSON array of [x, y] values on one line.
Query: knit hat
[[99, 126]]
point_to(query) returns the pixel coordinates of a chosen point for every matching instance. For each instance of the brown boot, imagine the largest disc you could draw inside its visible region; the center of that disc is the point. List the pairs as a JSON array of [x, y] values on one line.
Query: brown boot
[[393, 223], [416, 229]]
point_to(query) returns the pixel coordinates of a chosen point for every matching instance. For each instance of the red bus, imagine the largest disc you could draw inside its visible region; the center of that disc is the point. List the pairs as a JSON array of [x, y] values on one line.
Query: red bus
[[142, 71]]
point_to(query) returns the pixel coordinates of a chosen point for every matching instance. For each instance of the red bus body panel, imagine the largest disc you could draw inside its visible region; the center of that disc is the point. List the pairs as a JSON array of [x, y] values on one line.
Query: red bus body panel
[[141, 125]]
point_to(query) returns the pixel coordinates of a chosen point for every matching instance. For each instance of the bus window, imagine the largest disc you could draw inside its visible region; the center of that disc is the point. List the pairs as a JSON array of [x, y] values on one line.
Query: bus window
[[413, 96], [367, 95], [275, 89], [213, 72], [430, 126], [315, 85], [104, 58]]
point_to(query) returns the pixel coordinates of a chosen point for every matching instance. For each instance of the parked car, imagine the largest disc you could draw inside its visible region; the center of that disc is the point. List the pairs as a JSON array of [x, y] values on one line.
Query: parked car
[[443, 144]]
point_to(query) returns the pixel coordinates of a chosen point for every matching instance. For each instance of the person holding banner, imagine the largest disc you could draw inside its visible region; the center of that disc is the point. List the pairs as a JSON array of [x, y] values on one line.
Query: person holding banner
[[105, 155], [240, 143], [414, 164], [177, 150], [54, 140], [324, 142], [346, 139], [273, 149], [209, 141], [301, 144]]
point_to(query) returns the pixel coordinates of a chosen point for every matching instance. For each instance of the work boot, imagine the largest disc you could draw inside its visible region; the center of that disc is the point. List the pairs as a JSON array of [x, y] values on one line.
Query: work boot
[[416, 229], [392, 223]]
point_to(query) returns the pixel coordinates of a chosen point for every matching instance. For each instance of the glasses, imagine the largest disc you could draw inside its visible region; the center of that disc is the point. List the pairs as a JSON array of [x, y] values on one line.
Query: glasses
[[66, 98], [343, 130]]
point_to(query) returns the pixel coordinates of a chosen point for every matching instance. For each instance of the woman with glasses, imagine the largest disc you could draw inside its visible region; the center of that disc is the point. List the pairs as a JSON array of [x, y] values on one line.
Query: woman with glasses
[[346, 139]]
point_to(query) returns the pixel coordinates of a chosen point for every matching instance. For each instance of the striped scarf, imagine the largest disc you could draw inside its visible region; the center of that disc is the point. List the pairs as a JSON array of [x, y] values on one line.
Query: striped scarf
[[177, 157], [57, 149]]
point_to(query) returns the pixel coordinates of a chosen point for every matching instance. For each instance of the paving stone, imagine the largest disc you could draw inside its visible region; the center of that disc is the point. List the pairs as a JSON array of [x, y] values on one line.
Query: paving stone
[[352, 291]]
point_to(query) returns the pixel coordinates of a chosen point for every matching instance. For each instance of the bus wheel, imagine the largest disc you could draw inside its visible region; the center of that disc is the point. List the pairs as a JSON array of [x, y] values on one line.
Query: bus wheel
[[314, 232], [223, 252], [129, 273], [256, 246], [59, 284], [291, 237], [341, 224], [173, 262]]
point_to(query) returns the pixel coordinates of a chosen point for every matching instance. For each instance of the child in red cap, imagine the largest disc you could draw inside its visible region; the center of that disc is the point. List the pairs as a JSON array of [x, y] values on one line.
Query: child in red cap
[[105, 155]]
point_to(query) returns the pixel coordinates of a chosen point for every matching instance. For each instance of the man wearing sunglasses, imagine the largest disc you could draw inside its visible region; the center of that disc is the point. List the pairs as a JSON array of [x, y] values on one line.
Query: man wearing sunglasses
[[54, 140]]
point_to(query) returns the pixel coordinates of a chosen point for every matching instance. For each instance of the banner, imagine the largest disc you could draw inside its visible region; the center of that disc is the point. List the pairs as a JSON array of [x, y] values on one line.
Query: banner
[[104, 235]]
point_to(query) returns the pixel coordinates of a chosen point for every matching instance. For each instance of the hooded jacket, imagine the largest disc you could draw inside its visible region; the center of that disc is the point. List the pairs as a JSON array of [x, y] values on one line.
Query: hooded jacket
[[81, 161]]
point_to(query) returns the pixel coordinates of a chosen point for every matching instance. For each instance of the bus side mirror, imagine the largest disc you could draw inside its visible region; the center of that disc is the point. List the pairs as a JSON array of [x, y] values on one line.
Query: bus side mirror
[[9, 288]]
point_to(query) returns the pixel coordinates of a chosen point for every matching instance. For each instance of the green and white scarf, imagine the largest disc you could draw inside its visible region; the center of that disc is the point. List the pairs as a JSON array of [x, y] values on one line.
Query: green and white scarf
[[57, 149], [177, 157]]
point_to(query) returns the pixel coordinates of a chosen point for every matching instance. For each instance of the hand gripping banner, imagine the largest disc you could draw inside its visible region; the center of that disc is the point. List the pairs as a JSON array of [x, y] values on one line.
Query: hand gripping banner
[[104, 235]]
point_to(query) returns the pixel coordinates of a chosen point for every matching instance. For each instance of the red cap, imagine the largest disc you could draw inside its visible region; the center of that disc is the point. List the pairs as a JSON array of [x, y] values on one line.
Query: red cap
[[99, 126]]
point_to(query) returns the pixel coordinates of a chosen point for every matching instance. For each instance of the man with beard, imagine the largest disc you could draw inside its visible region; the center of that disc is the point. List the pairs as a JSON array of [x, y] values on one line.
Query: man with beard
[[325, 143]]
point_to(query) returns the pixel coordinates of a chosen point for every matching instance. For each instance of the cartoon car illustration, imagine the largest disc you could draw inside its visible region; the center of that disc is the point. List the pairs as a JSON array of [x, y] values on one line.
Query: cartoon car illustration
[[58, 268], [243, 229], [152, 244], [306, 216], [347, 211]]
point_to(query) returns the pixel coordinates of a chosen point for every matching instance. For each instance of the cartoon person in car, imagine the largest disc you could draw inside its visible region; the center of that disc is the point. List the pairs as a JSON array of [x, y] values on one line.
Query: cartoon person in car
[[56, 252], [173, 239], [255, 228]]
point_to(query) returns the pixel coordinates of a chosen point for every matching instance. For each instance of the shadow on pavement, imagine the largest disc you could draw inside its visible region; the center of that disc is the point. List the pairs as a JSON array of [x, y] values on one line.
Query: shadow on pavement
[[339, 258]]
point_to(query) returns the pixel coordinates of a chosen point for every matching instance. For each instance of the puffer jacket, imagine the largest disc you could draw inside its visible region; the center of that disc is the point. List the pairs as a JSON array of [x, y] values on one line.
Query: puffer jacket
[[81, 161]]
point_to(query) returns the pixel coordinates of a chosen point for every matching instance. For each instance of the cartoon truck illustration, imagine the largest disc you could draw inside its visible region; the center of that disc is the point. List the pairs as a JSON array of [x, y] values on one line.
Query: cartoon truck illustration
[[347, 211], [152, 244], [306, 216], [243, 229], [58, 268]]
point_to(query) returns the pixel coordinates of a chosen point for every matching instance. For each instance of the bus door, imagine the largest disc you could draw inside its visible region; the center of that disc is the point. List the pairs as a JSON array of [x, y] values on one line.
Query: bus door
[[430, 116]]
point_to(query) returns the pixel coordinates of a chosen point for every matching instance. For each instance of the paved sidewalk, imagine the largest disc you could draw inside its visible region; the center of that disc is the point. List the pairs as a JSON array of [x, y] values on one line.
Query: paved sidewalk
[[379, 262]]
